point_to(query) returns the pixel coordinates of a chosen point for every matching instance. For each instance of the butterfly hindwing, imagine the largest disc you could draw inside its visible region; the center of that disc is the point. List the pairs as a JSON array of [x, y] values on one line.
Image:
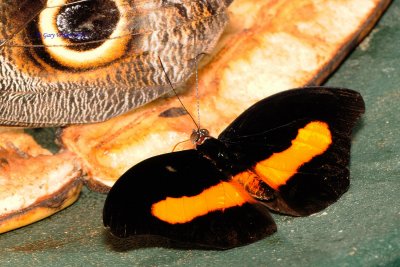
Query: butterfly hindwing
[[183, 197], [293, 148]]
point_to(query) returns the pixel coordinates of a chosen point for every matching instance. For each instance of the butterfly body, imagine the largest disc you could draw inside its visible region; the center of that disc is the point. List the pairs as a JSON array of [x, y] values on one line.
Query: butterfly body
[[288, 153]]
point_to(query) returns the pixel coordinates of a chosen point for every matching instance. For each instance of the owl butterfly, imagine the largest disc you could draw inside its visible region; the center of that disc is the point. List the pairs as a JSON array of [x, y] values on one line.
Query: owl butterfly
[[66, 62]]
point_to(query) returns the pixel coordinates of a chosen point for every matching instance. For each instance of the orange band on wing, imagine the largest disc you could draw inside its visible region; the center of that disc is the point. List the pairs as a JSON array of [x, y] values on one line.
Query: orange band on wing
[[184, 209], [312, 140]]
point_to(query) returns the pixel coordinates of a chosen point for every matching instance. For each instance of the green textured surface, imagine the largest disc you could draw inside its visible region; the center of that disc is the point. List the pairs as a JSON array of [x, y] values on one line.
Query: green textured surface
[[361, 229]]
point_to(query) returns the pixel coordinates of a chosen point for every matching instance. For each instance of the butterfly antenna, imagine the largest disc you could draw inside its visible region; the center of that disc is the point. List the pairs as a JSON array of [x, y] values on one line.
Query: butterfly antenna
[[173, 89], [197, 81], [197, 92]]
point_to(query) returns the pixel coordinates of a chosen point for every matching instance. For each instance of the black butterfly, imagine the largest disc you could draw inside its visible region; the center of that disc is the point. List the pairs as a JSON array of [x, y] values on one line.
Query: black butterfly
[[288, 153]]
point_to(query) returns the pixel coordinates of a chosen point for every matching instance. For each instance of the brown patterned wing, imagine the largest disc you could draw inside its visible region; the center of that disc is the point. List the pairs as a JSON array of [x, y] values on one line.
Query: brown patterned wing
[[68, 62]]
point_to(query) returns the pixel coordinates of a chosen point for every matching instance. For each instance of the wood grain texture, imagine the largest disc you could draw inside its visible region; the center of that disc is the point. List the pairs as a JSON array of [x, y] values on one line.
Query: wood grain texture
[[269, 46]]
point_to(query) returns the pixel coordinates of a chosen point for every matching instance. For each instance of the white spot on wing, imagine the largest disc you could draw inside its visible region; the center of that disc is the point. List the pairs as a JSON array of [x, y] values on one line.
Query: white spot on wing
[[170, 168]]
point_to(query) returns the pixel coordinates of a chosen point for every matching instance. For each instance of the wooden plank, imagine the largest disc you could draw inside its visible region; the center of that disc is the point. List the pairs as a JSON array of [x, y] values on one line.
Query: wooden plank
[[34, 183]]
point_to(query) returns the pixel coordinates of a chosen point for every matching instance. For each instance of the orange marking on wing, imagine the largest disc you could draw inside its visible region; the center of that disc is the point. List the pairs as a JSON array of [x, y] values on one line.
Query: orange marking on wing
[[312, 140], [184, 209]]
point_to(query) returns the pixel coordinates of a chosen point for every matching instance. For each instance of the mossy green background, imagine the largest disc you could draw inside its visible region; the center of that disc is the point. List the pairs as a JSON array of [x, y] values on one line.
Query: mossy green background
[[361, 229]]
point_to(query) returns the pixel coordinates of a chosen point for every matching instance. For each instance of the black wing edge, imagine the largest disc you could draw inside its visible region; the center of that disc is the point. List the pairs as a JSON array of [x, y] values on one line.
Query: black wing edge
[[277, 108]]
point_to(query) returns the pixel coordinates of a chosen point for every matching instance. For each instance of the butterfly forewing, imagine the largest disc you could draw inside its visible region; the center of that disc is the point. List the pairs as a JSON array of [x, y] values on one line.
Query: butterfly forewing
[[183, 197], [298, 143]]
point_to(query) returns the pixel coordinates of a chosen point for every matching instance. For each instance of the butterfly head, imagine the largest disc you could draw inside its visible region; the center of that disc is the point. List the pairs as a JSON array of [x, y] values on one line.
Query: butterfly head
[[199, 136]]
